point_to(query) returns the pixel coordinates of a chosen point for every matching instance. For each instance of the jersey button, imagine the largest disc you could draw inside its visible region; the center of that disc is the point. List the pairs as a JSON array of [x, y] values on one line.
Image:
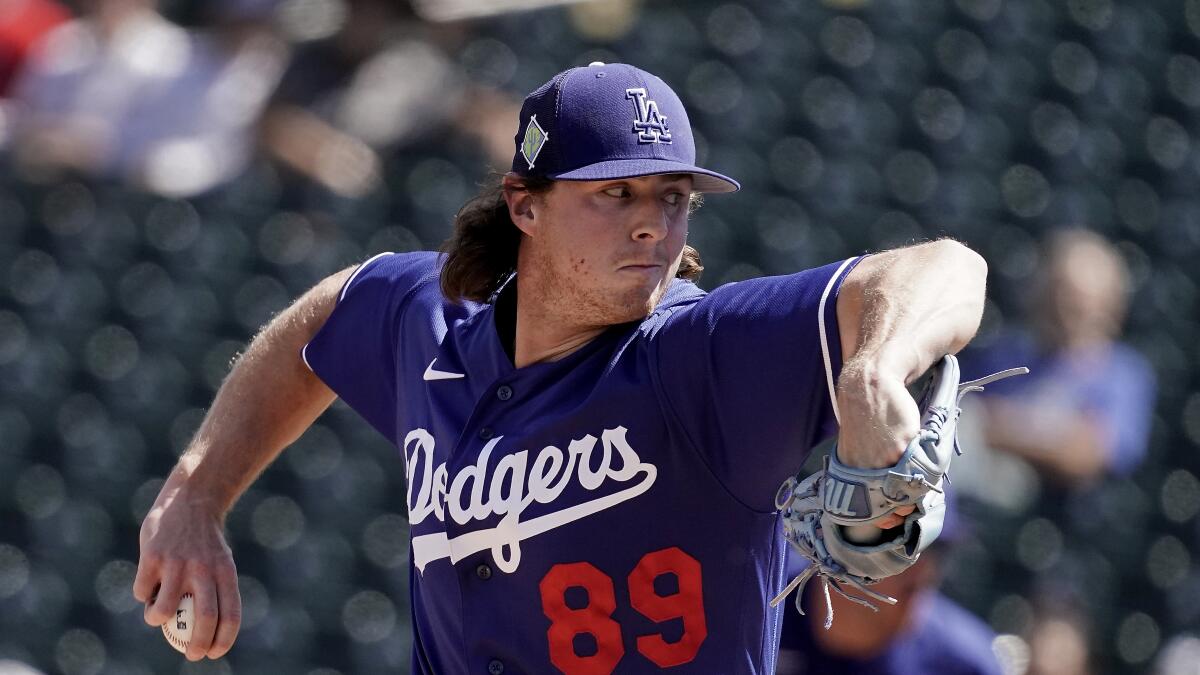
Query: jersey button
[[495, 667], [483, 571], [486, 433], [504, 392]]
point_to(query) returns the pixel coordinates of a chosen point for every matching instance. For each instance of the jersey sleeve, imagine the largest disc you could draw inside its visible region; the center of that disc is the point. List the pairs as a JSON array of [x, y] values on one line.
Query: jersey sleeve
[[749, 371], [355, 351]]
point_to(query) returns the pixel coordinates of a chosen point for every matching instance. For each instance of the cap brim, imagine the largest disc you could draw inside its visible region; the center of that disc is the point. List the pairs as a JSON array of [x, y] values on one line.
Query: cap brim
[[703, 179]]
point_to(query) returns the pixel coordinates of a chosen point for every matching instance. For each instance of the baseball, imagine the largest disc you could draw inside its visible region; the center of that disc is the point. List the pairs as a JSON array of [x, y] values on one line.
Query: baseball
[[862, 534], [178, 630]]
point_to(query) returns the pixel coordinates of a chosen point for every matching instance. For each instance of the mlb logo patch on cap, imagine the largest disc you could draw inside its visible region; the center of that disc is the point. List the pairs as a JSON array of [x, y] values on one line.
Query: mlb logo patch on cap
[[535, 138]]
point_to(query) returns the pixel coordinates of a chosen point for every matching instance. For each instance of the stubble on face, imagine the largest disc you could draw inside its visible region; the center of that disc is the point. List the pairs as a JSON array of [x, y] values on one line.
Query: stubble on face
[[583, 288], [578, 290], [589, 265]]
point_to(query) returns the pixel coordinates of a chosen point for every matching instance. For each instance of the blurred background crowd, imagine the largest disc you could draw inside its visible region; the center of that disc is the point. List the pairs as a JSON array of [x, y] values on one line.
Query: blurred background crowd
[[172, 173]]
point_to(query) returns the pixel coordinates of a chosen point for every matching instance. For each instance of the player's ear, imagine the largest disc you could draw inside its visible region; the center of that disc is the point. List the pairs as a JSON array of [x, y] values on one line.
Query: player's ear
[[521, 204]]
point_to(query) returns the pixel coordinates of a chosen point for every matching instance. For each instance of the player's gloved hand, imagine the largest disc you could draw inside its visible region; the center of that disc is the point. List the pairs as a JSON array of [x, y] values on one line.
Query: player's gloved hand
[[818, 510], [183, 550], [878, 419]]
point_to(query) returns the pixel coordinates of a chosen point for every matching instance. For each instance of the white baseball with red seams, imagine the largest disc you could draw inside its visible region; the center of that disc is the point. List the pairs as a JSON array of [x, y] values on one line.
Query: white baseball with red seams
[[178, 629]]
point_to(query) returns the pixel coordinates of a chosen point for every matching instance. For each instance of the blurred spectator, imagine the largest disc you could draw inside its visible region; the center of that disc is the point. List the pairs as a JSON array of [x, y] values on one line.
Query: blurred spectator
[[22, 23], [124, 93], [1084, 409], [1049, 444], [380, 81], [924, 632], [1058, 641]]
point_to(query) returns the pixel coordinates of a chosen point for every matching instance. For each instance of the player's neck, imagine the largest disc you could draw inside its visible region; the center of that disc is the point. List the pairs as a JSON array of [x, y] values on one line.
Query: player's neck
[[543, 334]]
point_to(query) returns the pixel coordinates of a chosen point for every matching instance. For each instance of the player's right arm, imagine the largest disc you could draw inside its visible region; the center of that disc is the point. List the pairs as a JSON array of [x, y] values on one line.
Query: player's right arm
[[267, 401]]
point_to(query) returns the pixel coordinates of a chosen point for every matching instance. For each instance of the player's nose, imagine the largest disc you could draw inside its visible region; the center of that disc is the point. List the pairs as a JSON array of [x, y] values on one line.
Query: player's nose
[[651, 219]]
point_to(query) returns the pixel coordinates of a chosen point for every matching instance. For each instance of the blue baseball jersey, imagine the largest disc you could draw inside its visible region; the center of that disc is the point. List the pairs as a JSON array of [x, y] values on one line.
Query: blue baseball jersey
[[612, 511]]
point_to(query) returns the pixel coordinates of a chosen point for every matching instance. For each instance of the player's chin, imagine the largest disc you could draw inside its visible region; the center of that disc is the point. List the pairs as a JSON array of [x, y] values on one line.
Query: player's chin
[[639, 302]]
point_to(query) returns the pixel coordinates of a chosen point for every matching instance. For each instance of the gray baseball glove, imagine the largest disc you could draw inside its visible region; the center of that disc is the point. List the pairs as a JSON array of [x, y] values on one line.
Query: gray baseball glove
[[818, 509]]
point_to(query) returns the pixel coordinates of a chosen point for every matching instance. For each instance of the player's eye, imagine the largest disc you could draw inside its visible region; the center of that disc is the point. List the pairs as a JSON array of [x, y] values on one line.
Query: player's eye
[[674, 198], [620, 192]]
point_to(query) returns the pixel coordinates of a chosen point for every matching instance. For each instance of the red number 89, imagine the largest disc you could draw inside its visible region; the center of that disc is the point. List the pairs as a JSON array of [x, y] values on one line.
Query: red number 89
[[595, 618]]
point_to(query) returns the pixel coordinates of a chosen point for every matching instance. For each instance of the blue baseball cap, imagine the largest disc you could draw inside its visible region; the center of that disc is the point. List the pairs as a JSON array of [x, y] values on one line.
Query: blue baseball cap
[[606, 121]]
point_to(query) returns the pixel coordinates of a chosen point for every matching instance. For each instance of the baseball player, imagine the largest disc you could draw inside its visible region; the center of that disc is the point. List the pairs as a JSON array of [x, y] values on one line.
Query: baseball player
[[593, 444]]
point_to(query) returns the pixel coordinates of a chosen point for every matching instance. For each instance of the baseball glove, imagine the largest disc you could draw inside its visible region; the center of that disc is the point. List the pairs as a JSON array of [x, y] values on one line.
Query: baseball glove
[[817, 510]]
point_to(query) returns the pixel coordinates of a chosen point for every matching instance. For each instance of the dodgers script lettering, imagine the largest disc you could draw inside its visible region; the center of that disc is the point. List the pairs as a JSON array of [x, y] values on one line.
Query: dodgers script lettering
[[473, 495]]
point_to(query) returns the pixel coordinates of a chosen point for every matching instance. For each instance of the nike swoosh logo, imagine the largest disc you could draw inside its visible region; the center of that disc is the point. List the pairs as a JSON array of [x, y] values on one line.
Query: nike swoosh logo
[[431, 374]]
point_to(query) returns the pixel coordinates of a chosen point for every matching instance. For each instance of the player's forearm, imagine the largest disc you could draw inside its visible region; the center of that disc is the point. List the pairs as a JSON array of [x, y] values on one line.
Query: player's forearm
[[898, 312], [266, 402], [914, 305]]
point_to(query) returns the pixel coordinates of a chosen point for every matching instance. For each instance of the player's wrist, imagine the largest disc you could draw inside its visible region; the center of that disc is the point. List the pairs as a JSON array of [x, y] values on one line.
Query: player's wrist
[[878, 416], [198, 496], [865, 374]]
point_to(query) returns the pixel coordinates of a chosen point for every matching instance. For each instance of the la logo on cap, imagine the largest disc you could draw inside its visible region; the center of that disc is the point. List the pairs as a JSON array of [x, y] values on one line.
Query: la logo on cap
[[649, 125]]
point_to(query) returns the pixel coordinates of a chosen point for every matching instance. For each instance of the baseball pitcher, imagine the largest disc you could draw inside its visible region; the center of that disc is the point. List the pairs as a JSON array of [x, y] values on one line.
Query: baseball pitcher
[[594, 445]]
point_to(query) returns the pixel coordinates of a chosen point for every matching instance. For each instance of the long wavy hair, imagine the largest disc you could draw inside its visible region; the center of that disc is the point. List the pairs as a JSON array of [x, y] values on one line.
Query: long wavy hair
[[482, 251]]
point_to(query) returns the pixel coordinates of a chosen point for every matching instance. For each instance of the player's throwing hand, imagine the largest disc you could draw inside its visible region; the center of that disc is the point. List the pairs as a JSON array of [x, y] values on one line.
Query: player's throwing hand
[[269, 398], [184, 551]]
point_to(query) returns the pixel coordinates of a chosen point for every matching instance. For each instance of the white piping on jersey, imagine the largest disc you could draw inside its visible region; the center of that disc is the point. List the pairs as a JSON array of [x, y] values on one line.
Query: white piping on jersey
[[341, 295], [825, 338], [543, 481], [346, 286]]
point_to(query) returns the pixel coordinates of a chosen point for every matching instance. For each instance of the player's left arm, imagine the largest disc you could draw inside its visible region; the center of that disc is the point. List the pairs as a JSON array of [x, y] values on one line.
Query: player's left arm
[[898, 312]]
